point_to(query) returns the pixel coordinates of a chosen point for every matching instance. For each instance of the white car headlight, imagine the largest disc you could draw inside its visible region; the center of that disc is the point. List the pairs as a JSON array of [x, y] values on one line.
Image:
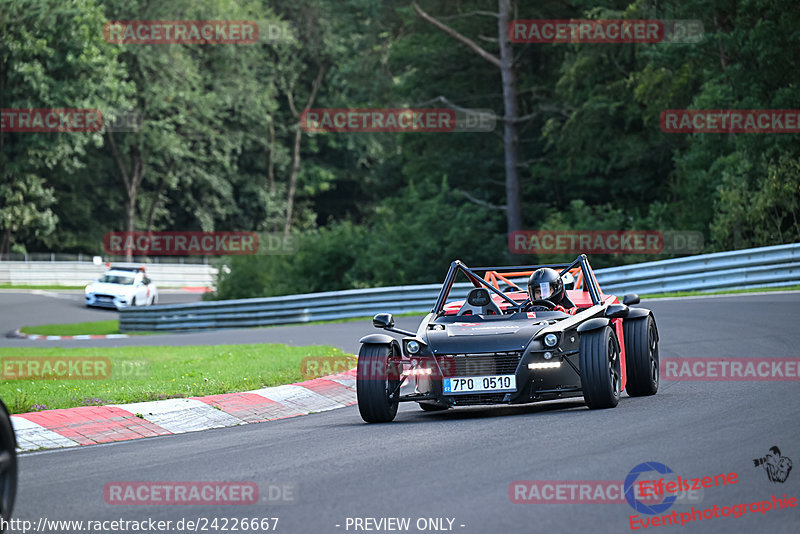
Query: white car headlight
[[551, 340]]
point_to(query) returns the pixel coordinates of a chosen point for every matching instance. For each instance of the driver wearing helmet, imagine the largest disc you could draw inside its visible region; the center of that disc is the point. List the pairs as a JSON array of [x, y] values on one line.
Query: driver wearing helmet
[[546, 284]]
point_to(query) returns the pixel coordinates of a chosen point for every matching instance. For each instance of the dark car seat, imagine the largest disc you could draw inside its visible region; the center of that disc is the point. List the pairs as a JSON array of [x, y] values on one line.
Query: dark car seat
[[565, 302], [479, 302]]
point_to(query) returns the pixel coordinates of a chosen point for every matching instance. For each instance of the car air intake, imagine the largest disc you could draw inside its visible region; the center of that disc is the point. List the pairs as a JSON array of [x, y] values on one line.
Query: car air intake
[[498, 363]]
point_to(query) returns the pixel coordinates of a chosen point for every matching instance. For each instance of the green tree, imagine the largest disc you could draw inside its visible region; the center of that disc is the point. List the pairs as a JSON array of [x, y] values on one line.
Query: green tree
[[52, 55]]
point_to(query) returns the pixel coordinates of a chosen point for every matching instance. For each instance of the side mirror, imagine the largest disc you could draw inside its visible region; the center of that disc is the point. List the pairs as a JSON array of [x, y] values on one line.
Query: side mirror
[[630, 299], [615, 311], [383, 320]]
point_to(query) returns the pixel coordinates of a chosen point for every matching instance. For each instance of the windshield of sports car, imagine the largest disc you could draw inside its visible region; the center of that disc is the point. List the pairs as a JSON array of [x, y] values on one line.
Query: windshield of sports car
[[118, 279]]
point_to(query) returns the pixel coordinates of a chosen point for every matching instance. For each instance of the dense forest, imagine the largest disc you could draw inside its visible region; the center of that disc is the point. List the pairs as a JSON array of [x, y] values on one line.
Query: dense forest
[[217, 143]]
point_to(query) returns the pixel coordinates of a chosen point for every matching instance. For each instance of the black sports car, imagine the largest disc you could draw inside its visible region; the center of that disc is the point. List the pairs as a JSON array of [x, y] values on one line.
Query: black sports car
[[499, 347]]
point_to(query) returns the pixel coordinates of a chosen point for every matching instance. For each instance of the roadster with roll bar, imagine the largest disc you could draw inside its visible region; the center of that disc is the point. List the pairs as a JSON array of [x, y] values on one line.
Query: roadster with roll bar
[[498, 347]]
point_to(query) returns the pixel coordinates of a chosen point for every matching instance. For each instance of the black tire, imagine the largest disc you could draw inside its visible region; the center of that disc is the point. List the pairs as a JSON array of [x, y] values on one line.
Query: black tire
[[600, 368], [8, 466], [133, 301], [641, 356], [376, 378], [428, 407]]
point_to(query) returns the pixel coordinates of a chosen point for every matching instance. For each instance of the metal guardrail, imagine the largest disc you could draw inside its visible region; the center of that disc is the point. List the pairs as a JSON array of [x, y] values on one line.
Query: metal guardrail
[[739, 269], [761, 267]]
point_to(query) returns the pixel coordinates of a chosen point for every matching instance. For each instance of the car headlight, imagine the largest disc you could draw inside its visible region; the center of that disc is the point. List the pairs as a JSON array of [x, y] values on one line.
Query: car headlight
[[412, 347], [551, 340]]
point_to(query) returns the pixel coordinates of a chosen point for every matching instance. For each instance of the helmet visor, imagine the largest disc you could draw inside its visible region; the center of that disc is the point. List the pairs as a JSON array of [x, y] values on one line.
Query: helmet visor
[[542, 290]]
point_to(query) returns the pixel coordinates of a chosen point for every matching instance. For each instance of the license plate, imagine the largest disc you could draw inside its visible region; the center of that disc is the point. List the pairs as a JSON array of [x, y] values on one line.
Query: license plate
[[478, 384]]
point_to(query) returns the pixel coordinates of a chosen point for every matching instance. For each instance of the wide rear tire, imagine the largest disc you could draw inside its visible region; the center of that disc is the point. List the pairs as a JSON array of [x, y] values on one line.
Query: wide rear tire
[[377, 377], [600, 368], [641, 356], [8, 466]]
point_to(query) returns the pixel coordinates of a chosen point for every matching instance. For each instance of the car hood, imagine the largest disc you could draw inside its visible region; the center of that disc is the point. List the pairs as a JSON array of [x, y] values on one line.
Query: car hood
[[464, 336], [110, 289]]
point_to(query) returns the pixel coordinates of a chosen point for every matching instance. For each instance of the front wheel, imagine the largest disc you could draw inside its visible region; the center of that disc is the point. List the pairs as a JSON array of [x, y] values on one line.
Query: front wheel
[[377, 379], [600, 368], [641, 356]]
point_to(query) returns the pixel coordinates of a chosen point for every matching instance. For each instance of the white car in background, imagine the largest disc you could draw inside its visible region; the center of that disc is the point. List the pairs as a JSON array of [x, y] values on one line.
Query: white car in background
[[121, 287]]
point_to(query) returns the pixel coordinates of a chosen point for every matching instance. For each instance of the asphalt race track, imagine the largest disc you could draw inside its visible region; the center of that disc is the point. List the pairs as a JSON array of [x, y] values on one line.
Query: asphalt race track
[[38, 307], [459, 464], [27, 309]]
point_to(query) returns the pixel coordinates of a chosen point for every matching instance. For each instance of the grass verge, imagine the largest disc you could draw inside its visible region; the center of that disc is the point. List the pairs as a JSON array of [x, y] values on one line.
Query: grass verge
[[74, 329], [112, 326], [154, 373]]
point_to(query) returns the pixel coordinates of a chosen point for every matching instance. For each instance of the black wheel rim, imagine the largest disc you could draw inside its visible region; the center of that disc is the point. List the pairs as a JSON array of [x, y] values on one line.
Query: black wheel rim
[[652, 354], [392, 379], [390, 385], [613, 367]]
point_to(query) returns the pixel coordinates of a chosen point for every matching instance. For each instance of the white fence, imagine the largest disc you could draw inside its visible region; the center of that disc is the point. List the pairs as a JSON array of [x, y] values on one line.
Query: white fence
[[77, 273]]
